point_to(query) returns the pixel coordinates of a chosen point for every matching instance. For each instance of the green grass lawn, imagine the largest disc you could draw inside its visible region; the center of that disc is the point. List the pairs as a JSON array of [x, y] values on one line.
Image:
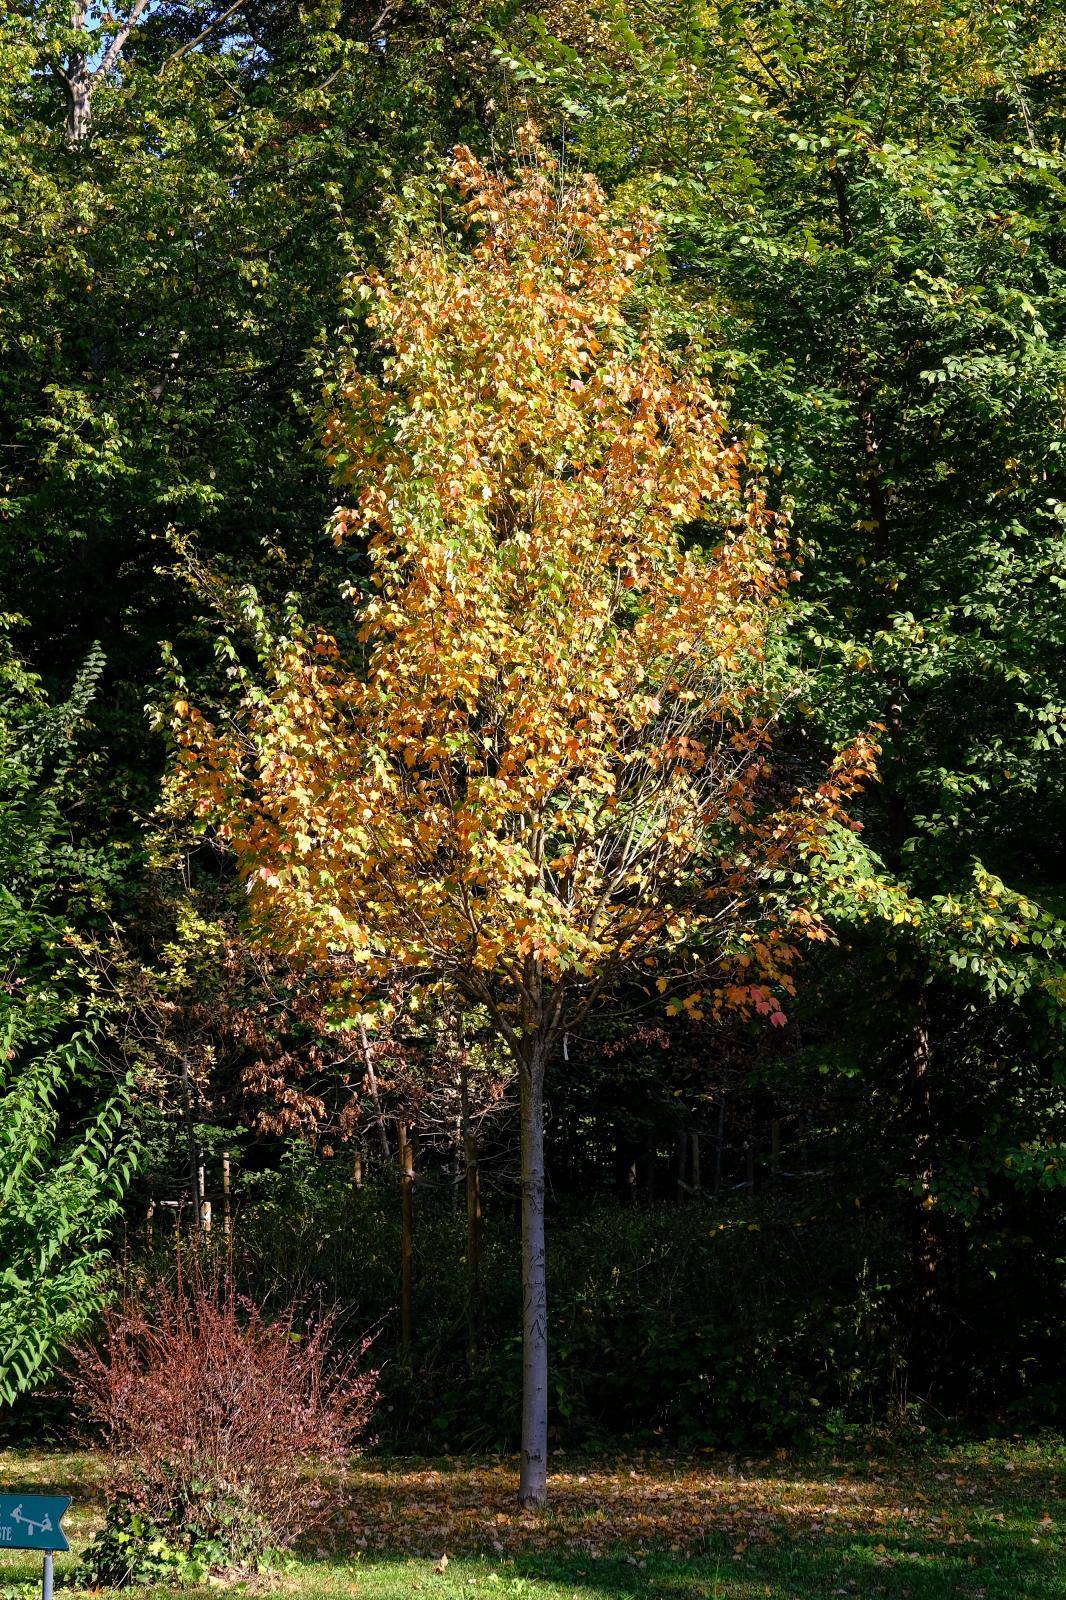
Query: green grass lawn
[[964, 1520]]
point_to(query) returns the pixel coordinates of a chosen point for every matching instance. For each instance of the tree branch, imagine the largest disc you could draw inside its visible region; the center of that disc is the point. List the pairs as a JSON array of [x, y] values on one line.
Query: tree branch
[[190, 44], [118, 43]]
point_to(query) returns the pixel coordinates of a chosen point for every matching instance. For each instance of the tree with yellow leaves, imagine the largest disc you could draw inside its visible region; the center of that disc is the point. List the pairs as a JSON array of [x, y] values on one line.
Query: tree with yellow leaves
[[547, 772]]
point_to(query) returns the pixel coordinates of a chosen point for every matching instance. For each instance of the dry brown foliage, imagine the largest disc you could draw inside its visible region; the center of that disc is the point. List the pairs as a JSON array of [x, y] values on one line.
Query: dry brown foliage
[[203, 1400]]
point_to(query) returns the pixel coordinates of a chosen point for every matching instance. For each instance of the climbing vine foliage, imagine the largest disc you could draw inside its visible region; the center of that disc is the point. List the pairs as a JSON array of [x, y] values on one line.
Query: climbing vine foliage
[[546, 771]]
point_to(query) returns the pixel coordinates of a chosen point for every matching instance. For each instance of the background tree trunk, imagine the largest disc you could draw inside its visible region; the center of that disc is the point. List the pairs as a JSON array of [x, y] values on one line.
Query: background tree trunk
[[79, 100], [407, 1184], [473, 1216], [681, 1166], [533, 1488], [193, 1153], [928, 1245], [372, 1083], [719, 1146], [227, 1205]]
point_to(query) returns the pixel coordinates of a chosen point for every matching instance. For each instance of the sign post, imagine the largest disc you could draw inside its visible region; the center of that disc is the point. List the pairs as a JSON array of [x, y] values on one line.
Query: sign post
[[32, 1522]]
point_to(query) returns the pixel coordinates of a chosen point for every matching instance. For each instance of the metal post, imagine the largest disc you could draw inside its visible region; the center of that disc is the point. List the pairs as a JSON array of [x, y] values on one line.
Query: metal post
[[49, 1574]]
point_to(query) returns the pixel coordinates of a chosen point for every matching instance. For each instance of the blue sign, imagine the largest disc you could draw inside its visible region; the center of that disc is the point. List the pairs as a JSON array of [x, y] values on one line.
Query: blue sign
[[31, 1521]]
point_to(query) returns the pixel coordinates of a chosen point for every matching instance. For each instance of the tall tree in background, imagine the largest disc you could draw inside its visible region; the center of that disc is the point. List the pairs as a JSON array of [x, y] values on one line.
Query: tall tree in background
[[546, 777], [864, 213], [165, 280]]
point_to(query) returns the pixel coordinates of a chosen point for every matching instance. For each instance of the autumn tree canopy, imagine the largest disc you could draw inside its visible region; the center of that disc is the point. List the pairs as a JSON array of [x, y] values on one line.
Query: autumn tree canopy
[[558, 800], [545, 774], [545, 770]]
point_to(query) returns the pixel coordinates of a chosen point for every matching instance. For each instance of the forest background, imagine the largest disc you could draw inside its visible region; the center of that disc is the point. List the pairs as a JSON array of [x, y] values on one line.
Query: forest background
[[758, 1230]]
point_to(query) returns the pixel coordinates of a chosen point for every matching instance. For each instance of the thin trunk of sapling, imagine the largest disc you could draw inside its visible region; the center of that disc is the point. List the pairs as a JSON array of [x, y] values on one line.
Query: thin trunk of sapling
[[195, 1188], [227, 1197], [372, 1084]]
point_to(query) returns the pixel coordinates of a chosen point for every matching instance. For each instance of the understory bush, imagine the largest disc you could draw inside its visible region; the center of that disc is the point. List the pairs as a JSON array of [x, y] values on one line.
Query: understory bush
[[742, 1321], [210, 1410], [708, 1324]]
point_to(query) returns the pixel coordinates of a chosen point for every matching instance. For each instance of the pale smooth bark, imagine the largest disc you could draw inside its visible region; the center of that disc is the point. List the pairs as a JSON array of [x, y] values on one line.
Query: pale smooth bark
[[227, 1203], [78, 78], [195, 1183], [372, 1082], [79, 87]]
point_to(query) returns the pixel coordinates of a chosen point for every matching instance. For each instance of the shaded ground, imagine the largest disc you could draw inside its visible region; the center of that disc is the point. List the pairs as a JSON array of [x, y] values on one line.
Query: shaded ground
[[978, 1520]]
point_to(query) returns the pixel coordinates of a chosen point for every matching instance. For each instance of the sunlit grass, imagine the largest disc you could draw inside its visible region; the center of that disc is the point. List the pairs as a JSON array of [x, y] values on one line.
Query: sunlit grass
[[980, 1521]]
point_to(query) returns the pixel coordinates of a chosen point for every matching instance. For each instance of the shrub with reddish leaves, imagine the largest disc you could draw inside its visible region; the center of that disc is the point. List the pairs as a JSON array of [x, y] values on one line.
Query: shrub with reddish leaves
[[211, 1412]]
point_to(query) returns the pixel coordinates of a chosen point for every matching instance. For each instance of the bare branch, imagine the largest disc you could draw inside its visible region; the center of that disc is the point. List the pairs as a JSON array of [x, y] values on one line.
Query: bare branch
[[118, 43], [190, 44]]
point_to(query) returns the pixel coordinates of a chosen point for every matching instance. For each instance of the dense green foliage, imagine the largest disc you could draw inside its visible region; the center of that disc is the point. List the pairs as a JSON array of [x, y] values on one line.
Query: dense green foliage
[[865, 206], [64, 1158], [747, 1321], [862, 215]]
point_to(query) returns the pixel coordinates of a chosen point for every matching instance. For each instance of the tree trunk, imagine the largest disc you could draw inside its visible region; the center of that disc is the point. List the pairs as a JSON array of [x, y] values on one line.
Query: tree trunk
[[227, 1204], [371, 1078], [79, 108], [77, 81], [681, 1166], [195, 1188], [694, 1165], [407, 1184], [473, 1216], [625, 1169], [928, 1244], [719, 1146], [533, 1488]]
